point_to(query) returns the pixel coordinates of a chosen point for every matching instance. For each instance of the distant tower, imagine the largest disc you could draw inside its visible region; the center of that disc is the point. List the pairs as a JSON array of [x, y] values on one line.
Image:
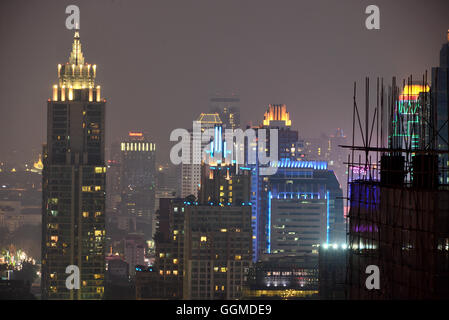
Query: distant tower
[[228, 108], [73, 208], [138, 180]]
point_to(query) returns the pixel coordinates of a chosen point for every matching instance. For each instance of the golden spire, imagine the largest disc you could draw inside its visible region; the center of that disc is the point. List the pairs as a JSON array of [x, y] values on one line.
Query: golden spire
[[76, 74], [76, 56]]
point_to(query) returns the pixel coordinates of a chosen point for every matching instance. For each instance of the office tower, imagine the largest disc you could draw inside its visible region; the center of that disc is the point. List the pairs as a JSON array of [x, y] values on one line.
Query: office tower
[[217, 235], [138, 180], [289, 145], [228, 109], [73, 208], [217, 251], [222, 184], [165, 279], [191, 172], [440, 96], [297, 208]]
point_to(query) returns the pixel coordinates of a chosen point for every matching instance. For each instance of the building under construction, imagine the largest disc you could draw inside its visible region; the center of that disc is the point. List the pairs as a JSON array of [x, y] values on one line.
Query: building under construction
[[399, 203]]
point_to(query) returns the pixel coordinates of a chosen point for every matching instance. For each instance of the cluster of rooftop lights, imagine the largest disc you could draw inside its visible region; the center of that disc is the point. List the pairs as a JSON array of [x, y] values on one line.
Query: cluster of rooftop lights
[[335, 246]]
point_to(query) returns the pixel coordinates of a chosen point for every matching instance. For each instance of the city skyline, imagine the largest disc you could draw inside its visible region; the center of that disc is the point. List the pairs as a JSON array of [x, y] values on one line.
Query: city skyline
[[161, 73], [224, 150]]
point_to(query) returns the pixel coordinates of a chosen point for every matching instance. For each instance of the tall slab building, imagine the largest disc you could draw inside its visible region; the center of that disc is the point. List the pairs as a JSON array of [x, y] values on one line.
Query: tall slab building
[[73, 207]]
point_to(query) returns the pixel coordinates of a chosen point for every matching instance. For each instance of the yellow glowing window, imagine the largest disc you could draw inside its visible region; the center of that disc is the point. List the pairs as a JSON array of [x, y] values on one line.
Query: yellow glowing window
[[221, 194], [54, 238], [221, 188], [175, 261], [230, 194], [237, 230], [216, 269], [223, 269], [216, 288], [161, 272], [84, 283], [230, 199], [222, 288], [175, 231], [230, 188], [175, 272], [86, 188], [161, 255], [97, 188], [223, 230], [98, 276], [100, 289], [174, 238], [98, 169], [98, 213], [238, 257], [52, 275], [98, 233], [168, 272], [203, 239], [85, 214]]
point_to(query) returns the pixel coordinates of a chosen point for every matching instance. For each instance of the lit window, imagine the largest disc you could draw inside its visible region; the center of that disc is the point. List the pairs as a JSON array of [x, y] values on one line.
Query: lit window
[[85, 214], [99, 169], [239, 257], [203, 239], [175, 261], [175, 272], [97, 188], [86, 188]]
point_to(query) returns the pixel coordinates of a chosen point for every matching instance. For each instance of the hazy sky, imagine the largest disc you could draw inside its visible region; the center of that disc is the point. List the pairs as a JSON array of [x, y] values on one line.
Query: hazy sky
[[158, 61]]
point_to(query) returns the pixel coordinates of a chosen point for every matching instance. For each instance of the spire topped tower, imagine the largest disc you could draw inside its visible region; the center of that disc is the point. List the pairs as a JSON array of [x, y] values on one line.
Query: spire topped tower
[[74, 182]]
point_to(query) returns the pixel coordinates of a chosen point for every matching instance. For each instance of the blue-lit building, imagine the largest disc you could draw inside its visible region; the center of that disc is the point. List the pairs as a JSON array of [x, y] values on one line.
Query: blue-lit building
[[296, 209]]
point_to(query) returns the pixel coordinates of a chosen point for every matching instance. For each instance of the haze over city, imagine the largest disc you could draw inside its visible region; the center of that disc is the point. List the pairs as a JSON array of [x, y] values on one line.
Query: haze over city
[[224, 150], [159, 61]]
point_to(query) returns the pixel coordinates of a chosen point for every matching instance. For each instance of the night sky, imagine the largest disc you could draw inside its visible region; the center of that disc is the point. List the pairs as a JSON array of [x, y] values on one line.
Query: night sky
[[159, 61]]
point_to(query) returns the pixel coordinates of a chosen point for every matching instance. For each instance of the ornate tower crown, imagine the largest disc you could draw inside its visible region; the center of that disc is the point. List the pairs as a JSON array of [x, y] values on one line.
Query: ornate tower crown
[[76, 74]]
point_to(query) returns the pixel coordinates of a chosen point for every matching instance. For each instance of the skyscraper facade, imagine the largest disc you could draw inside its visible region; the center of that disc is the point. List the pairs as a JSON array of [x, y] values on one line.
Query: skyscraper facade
[[191, 172], [73, 207], [138, 180]]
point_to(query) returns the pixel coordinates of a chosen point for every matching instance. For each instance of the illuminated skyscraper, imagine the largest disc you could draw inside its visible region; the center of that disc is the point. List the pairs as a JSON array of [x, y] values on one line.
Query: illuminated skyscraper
[[191, 172], [138, 180], [73, 208]]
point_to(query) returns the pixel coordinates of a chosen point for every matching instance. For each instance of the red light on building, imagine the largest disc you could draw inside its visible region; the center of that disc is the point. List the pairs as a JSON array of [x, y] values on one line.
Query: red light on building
[[135, 134]]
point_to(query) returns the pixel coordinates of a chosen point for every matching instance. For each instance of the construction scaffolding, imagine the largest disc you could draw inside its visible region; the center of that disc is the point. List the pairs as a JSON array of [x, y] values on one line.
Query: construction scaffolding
[[398, 195]]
